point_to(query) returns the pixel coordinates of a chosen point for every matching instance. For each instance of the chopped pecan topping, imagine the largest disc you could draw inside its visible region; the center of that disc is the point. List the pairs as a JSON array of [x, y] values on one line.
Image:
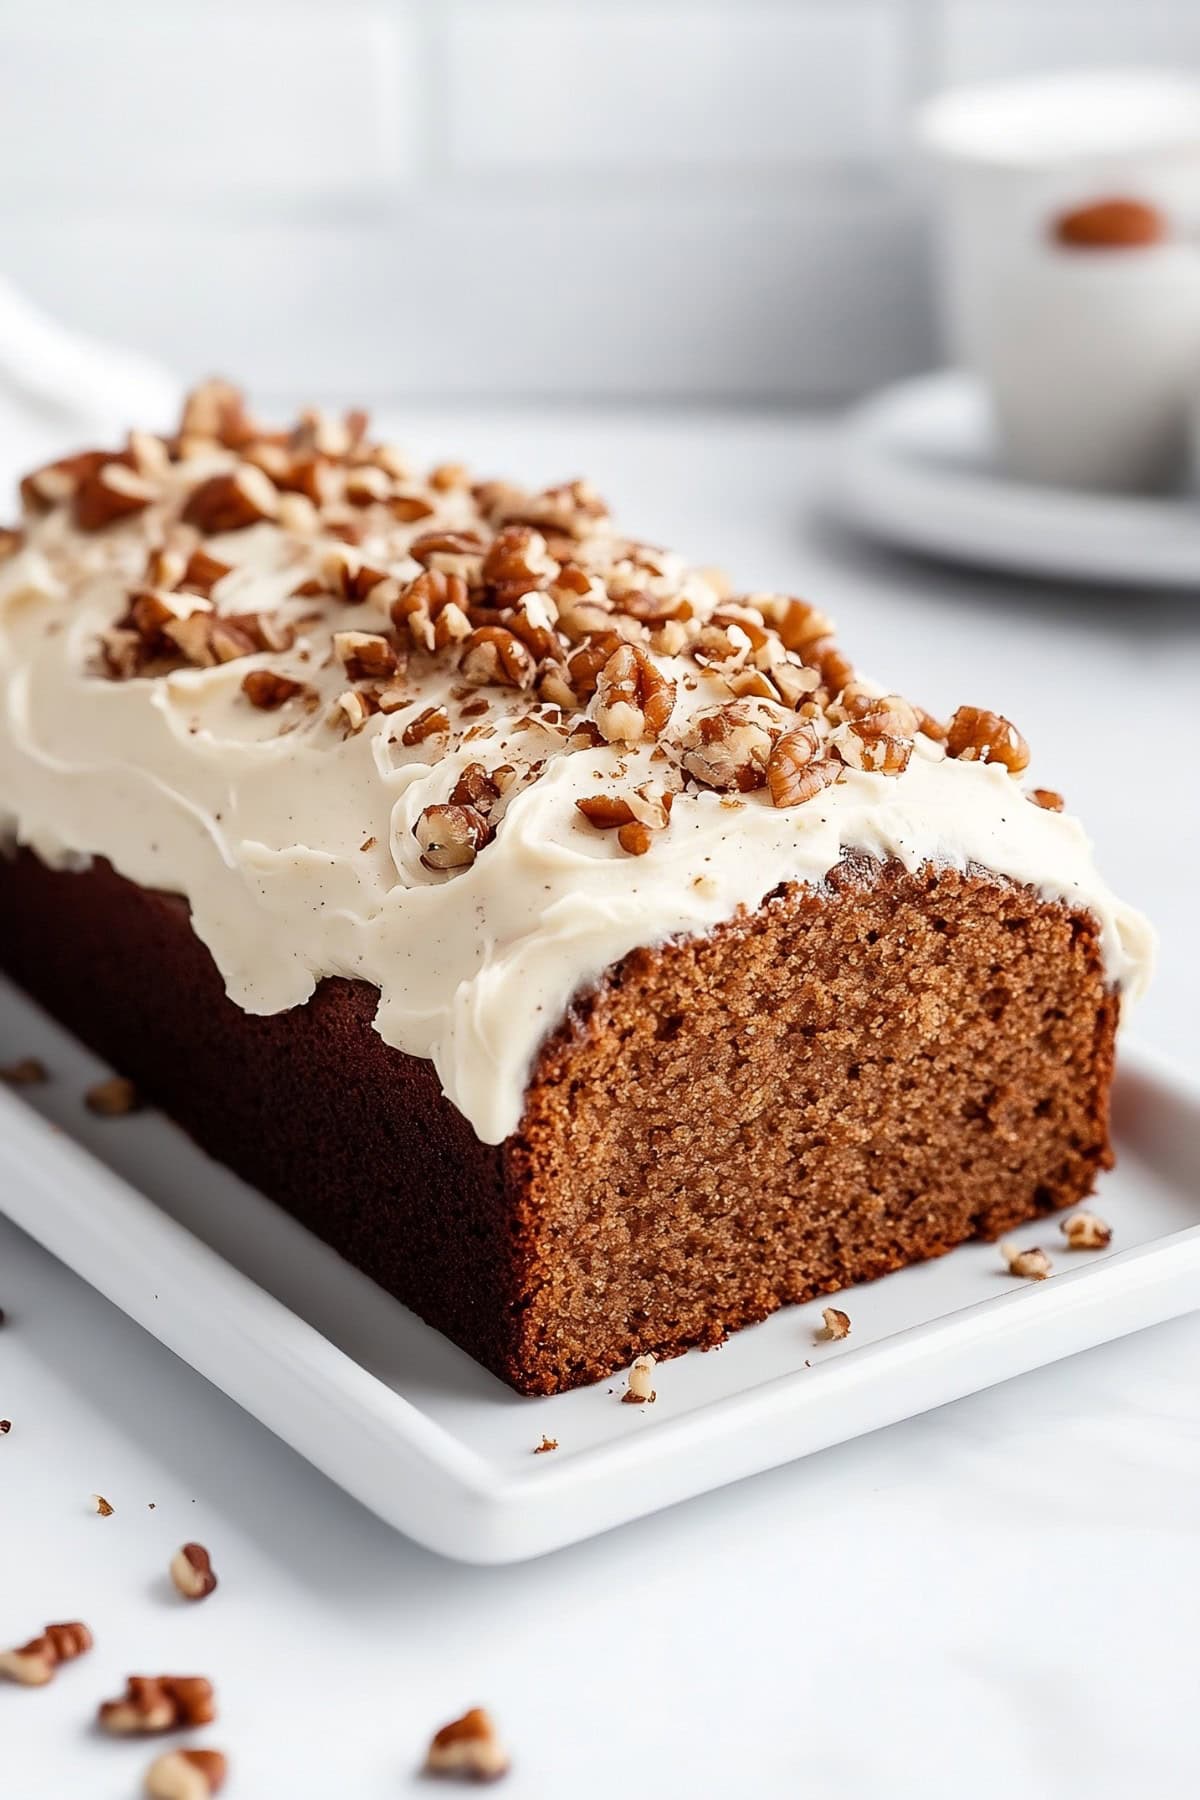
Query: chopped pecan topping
[[635, 817], [434, 721], [493, 657], [978, 736], [634, 699], [217, 409], [729, 747], [109, 493], [231, 502], [1047, 799], [420, 605], [798, 767], [267, 689], [365, 655], [516, 563], [352, 709], [835, 1324], [450, 836], [27, 1071], [11, 541]]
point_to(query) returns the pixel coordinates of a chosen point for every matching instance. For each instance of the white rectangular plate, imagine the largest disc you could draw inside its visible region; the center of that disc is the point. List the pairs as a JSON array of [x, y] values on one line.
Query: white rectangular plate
[[410, 1426]]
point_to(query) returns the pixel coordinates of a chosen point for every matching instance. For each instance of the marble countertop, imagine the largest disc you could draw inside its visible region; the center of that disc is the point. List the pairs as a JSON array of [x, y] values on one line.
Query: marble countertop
[[997, 1598]]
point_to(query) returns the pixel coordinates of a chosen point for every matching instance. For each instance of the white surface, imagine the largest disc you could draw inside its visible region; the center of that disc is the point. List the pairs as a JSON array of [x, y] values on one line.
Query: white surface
[[1003, 1589], [435, 1446], [918, 466]]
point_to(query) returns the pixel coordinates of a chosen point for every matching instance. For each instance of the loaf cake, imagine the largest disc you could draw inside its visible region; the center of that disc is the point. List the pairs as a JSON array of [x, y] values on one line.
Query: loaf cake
[[587, 951]]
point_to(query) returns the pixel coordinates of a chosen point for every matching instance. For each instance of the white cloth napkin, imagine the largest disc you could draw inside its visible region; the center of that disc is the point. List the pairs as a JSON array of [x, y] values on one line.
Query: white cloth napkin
[[61, 392]]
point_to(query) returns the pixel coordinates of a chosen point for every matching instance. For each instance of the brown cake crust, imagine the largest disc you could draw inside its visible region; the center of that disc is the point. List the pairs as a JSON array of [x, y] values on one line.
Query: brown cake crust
[[840, 1083]]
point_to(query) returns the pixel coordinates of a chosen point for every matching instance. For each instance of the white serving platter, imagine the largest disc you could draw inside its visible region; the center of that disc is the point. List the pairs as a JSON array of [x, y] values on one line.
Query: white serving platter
[[918, 466], [410, 1426]]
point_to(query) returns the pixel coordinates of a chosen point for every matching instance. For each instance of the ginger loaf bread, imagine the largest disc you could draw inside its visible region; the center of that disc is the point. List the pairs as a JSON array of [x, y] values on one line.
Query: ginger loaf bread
[[588, 952]]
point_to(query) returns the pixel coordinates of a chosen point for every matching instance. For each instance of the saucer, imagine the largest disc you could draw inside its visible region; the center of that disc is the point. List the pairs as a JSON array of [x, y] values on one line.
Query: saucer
[[918, 466]]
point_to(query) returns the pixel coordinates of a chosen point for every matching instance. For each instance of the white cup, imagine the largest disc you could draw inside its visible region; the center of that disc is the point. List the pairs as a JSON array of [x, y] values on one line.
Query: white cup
[[1091, 357]]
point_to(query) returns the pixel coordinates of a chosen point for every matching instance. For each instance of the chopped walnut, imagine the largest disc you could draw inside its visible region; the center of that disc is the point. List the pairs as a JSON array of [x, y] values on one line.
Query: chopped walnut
[[1084, 1231], [835, 1324], [977, 736], [469, 1749], [634, 700], [1031, 1265], [640, 1391], [450, 836], [729, 747]]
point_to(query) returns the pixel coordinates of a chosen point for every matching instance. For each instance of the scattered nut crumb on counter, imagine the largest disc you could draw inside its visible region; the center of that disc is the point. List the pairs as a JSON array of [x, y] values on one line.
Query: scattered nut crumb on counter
[[836, 1324], [186, 1775], [1031, 1265], [153, 1703], [113, 1098], [639, 1392], [468, 1749], [34, 1664], [192, 1572], [104, 1507], [1084, 1231], [27, 1071], [547, 1444]]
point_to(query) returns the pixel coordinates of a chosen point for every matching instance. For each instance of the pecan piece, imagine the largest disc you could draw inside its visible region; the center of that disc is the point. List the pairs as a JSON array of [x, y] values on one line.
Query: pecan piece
[[192, 1572], [797, 768], [433, 722], [154, 1703], [468, 1748], [450, 836], [1047, 799], [634, 699], [233, 501], [1084, 1231], [492, 656], [365, 655], [1031, 1265], [268, 690], [109, 493], [33, 1664], [186, 1775], [979, 736], [729, 747]]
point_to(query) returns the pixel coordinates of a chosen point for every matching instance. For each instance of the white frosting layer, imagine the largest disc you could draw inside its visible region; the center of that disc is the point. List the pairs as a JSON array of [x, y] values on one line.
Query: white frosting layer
[[295, 847]]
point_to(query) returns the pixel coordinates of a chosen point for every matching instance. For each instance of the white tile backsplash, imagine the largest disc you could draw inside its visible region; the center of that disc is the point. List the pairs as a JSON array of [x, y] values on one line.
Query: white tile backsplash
[[505, 198], [111, 104], [611, 87]]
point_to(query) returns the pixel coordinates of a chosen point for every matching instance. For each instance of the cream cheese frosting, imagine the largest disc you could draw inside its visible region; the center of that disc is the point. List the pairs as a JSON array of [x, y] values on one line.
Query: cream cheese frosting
[[294, 840]]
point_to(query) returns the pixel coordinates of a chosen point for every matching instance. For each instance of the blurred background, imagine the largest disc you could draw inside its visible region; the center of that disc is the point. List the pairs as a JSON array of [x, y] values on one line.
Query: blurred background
[[507, 198]]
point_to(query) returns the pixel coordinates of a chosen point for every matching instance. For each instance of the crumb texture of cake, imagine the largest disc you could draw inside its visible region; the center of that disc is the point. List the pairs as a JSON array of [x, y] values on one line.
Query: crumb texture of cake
[[467, 743], [591, 954]]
